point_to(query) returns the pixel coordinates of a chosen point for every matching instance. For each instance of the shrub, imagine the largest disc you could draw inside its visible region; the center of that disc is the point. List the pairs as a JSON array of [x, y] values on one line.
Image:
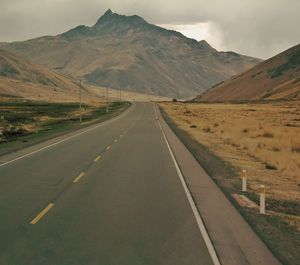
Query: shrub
[[296, 148], [268, 135], [207, 130], [270, 166], [13, 132], [276, 149]]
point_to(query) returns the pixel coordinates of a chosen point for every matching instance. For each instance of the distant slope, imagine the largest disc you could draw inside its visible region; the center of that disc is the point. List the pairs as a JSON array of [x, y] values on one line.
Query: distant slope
[[276, 78], [127, 52], [21, 77]]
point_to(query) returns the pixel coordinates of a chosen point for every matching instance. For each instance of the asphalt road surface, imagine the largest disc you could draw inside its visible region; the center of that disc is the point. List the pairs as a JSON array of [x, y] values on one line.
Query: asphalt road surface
[[111, 195]]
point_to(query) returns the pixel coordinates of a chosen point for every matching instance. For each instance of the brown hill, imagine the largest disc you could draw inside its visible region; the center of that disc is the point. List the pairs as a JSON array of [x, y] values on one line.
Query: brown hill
[[276, 78], [127, 52], [21, 77]]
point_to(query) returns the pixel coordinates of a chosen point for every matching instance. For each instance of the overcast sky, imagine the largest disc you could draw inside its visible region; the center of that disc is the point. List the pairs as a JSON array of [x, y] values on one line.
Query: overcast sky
[[260, 28]]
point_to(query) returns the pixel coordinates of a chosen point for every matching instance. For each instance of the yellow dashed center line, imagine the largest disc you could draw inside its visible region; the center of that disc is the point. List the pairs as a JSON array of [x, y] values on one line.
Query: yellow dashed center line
[[97, 158], [79, 177], [41, 214], [108, 147]]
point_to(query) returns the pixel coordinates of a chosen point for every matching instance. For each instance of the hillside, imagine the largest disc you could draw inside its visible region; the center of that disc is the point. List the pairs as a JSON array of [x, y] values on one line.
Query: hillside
[[129, 53], [276, 78], [21, 77]]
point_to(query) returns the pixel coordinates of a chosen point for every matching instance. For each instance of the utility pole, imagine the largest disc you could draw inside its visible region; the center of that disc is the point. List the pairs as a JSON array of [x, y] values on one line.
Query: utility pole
[[107, 100], [117, 98], [119, 95], [80, 110]]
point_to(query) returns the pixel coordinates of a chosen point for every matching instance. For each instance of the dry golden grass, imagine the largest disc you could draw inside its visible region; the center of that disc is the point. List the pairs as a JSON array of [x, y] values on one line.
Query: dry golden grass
[[264, 139]]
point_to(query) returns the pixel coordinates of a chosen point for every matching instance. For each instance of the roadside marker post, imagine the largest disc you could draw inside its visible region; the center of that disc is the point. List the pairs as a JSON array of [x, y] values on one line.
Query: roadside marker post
[[262, 199], [244, 180]]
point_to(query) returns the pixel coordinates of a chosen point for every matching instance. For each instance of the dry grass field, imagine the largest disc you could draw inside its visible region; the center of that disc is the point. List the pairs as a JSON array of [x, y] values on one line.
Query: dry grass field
[[263, 138]]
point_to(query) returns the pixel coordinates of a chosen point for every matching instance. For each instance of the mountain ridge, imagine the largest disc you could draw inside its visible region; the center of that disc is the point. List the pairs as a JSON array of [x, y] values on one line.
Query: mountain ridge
[[129, 53]]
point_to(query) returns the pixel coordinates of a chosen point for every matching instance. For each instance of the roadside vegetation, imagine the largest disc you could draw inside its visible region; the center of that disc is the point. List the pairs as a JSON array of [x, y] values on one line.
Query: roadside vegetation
[[263, 139], [26, 122]]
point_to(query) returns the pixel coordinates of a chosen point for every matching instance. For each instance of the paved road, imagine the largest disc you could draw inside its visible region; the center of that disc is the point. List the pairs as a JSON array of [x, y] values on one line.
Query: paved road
[[111, 195]]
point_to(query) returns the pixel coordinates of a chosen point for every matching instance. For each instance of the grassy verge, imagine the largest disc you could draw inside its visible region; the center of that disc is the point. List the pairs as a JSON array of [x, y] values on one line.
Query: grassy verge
[[24, 123], [282, 239]]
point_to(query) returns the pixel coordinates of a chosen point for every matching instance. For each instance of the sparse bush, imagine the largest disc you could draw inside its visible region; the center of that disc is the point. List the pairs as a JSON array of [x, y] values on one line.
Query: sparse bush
[[227, 141], [268, 135], [235, 145], [276, 149], [290, 125], [193, 126], [216, 125], [261, 145], [246, 130], [296, 148], [270, 166], [13, 132], [207, 130]]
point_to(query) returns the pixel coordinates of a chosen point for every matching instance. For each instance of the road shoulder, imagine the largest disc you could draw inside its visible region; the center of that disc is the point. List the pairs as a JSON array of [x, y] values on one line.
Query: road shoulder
[[234, 240]]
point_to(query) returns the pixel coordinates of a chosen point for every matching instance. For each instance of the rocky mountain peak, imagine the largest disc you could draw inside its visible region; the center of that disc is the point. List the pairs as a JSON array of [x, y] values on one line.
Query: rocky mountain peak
[[110, 18]]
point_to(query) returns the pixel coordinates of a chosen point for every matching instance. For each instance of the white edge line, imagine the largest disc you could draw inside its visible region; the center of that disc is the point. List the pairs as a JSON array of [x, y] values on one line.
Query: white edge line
[[198, 218], [68, 138]]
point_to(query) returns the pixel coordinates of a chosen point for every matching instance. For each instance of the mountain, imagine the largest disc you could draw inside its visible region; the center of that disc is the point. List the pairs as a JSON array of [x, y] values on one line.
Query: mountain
[[21, 77], [129, 53], [276, 78]]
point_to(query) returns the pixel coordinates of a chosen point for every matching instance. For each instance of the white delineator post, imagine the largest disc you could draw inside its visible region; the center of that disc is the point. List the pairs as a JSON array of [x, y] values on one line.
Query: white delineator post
[[244, 180], [262, 199]]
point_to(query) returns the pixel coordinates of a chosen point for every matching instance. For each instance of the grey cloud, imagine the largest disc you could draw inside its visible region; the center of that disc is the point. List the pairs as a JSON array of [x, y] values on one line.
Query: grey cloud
[[259, 28]]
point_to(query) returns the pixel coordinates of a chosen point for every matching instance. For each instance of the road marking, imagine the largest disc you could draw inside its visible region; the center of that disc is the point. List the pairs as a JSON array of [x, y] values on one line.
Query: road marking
[[108, 147], [79, 177], [41, 214], [68, 138], [97, 158], [196, 213]]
